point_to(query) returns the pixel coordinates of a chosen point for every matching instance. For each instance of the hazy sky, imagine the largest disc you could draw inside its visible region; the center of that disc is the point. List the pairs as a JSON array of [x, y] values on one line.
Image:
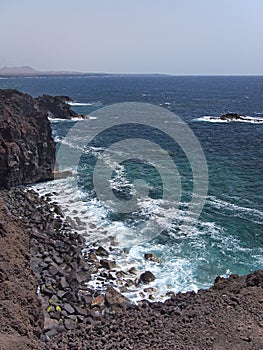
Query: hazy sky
[[134, 36]]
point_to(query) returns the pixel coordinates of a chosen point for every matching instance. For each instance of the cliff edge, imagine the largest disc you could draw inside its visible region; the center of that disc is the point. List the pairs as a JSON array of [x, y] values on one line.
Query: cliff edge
[[27, 149]]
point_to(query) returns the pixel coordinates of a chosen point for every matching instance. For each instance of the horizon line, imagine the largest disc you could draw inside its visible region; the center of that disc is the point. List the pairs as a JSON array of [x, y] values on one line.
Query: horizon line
[[36, 73]]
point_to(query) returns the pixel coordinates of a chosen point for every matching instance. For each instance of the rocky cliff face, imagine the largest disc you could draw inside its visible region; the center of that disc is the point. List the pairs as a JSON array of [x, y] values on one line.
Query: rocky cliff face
[[27, 149]]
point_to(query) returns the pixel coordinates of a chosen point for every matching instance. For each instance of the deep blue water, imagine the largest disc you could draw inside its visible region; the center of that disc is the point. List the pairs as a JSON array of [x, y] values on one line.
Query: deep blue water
[[228, 237]]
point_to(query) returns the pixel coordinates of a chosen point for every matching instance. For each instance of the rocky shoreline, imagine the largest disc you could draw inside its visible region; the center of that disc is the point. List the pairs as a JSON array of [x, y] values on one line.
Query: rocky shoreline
[[61, 269], [62, 313]]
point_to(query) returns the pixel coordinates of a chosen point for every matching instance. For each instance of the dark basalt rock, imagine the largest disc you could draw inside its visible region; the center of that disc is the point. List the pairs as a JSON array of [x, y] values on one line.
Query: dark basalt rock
[[152, 257], [112, 297], [27, 149], [55, 106], [70, 324], [231, 116], [147, 277], [255, 279]]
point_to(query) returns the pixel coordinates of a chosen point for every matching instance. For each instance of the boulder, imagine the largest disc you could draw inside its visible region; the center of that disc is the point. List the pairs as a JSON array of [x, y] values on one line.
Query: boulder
[[152, 257], [70, 310], [92, 258], [107, 264], [49, 323], [133, 271], [112, 297], [147, 277], [255, 279]]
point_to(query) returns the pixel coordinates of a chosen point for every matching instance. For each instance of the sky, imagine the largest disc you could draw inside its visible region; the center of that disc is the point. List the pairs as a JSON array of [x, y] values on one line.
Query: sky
[[199, 37]]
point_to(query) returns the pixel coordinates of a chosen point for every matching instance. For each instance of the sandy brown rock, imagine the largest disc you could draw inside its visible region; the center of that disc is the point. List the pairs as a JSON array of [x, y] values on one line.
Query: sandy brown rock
[[112, 297], [20, 313]]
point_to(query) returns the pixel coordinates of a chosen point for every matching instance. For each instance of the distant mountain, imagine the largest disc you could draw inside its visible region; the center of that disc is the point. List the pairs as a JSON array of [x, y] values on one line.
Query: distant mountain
[[18, 70], [28, 71]]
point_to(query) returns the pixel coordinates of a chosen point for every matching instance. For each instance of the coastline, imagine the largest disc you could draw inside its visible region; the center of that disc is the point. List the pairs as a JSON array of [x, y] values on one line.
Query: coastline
[[226, 315], [45, 297]]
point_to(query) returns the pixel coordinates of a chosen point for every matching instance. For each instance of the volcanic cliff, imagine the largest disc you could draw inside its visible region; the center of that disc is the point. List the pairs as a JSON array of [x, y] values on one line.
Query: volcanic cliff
[[27, 149]]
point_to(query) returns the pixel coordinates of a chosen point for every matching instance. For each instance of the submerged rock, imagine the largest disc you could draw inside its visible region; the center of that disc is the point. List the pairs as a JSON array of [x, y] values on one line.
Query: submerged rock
[[152, 257], [100, 251], [70, 324], [107, 264], [232, 116]]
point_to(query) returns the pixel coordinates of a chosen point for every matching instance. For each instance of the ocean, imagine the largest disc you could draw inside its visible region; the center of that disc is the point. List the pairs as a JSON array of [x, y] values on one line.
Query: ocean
[[226, 236]]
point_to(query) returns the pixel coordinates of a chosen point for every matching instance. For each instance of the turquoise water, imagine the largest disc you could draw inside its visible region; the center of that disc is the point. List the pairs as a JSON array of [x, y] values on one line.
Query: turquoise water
[[228, 236]]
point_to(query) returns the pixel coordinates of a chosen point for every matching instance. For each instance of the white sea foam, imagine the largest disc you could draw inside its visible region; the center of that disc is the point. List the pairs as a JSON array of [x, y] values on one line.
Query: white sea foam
[[72, 119], [80, 103], [245, 119], [85, 217], [91, 117], [236, 210], [77, 118], [90, 219], [183, 260], [210, 119], [55, 120], [69, 143]]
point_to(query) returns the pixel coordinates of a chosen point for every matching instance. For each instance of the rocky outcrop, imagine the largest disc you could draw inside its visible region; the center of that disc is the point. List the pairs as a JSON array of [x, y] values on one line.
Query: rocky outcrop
[[55, 106], [147, 277], [113, 297], [27, 149], [232, 117], [153, 258]]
